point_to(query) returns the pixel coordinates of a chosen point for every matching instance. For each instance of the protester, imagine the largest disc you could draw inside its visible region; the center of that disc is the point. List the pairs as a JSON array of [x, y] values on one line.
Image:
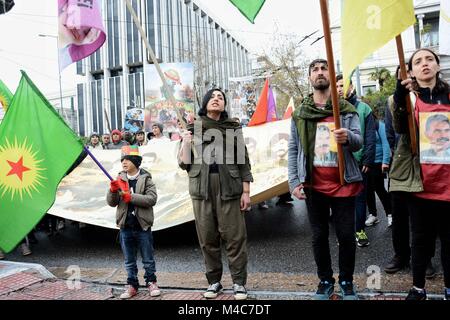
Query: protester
[[158, 136], [140, 138], [426, 181], [377, 175], [117, 142], [134, 195], [106, 141], [320, 186], [365, 156], [94, 141], [219, 187]]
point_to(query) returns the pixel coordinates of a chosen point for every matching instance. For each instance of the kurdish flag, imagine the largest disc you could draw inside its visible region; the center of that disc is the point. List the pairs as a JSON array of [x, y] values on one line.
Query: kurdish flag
[[249, 8], [36, 150], [5, 96], [368, 25]]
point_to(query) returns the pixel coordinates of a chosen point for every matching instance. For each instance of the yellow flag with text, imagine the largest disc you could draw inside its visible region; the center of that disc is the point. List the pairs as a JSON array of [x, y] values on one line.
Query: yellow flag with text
[[368, 25]]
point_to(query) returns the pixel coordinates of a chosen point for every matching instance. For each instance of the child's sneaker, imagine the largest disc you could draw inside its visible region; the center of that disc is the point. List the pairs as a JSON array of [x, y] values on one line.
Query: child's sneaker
[[153, 289], [389, 218], [129, 293], [361, 239], [213, 290]]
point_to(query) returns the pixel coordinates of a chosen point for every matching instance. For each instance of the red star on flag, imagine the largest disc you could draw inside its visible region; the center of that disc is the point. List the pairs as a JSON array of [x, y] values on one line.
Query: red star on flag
[[17, 168]]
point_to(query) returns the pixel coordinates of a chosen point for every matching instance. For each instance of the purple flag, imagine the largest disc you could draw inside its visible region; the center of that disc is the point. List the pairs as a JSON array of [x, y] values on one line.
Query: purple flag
[[81, 30], [271, 109]]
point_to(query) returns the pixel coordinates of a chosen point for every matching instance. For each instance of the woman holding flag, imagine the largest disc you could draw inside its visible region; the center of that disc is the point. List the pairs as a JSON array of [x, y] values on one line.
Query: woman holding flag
[[424, 176]]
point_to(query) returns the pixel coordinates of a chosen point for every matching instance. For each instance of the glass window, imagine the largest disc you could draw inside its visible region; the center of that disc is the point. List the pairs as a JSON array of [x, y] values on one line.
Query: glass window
[[81, 108]]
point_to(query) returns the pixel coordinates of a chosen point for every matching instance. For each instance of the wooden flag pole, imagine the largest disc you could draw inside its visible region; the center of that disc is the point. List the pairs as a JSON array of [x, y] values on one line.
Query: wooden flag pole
[[333, 88], [403, 73], [155, 62]]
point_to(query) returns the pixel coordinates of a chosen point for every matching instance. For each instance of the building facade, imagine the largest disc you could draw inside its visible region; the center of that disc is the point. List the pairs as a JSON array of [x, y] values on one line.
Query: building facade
[[423, 34], [178, 31]]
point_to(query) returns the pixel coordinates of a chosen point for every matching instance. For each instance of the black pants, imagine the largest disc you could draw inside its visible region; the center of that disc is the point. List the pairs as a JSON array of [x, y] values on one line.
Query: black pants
[[376, 184], [429, 219], [400, 225], [343, 213]]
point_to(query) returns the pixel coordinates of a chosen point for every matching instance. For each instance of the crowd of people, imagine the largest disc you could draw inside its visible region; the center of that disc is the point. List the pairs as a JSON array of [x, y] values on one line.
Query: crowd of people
[[416, 204]]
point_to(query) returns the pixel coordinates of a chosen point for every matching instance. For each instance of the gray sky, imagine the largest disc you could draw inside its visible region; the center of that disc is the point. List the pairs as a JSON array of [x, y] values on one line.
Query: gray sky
[[22, 48]]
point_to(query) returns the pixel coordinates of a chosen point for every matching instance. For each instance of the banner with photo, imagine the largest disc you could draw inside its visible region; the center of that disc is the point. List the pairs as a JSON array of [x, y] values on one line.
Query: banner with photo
[[244, 93], [180, 80], [134, 120], [81, 196], [434, 137]]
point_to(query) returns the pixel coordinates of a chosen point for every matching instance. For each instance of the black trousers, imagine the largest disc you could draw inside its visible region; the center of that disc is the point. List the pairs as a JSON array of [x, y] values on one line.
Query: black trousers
[[343, 214], [400, 225], [375, 184], [429, 219]]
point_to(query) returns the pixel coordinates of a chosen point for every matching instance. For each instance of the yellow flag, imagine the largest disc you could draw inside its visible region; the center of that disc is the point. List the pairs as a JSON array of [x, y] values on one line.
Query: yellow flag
[[368, 25]]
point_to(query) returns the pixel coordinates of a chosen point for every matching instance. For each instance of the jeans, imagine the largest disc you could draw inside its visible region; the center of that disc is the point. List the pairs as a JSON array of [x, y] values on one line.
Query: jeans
[[131, 240], [343, 215], [361, 204], [429, 219]]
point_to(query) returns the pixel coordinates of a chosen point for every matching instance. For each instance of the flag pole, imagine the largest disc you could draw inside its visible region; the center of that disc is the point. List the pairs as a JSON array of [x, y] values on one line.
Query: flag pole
[[333, 88], [155, 62], [98, 163], [403, 73]]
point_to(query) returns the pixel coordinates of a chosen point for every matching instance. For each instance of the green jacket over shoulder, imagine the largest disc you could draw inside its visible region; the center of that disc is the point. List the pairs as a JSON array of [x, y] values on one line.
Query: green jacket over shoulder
[[232, 173]]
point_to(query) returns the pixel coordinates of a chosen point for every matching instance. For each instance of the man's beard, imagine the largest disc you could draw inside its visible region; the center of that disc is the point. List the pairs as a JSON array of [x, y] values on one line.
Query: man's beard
[[323, 85]]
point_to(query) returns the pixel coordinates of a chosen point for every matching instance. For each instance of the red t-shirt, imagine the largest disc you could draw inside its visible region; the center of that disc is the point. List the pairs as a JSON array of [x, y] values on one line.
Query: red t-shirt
[[435, 167], [325, 171]]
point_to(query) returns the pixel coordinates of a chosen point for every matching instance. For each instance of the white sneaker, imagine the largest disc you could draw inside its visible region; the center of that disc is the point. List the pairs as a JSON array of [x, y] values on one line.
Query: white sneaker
[[240, 293], [129, 293], [213, 290], [389, 220], [371, 220]]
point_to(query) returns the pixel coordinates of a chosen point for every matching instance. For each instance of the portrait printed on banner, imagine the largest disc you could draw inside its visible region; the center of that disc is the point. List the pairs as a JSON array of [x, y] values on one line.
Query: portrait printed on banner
[[434, 137], [325, 148]]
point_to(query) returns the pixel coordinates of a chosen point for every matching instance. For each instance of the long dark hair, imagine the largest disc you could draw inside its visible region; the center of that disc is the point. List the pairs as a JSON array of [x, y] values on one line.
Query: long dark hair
[[441, 86], [207, 97]]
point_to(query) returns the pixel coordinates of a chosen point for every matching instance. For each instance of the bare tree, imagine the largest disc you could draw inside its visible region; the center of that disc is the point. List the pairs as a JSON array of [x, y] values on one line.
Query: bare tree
[[288, 69]]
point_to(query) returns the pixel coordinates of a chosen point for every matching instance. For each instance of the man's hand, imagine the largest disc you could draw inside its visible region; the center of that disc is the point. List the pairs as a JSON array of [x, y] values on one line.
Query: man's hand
[[114, 186], [245, 201], [126, 197], [341, 135], [384, 167], [299, 193]]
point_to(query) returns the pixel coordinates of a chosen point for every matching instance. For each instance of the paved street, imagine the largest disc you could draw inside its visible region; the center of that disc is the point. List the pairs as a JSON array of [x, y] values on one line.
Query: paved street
[[280, 255]]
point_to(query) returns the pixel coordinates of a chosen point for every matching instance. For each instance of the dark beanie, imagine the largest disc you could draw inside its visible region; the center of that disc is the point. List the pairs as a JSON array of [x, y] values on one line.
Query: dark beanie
[[137, 160]]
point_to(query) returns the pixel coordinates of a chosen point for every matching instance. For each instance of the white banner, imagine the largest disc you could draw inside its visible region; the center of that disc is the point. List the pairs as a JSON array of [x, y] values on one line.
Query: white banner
[[81, 196]]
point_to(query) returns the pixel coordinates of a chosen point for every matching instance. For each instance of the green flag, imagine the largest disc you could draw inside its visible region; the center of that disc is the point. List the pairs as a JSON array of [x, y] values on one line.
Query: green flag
[[249, 8], [36, 150], [5, 96]]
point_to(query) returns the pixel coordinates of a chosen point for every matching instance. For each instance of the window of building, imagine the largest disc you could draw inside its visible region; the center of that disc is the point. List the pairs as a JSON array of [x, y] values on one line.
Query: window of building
[[368, 89], [115, 102], [112, 23], [430, 33], [81, 90]]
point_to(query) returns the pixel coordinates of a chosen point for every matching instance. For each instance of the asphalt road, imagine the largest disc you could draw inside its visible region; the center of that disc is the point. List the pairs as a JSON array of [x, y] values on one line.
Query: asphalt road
[[279, 240]]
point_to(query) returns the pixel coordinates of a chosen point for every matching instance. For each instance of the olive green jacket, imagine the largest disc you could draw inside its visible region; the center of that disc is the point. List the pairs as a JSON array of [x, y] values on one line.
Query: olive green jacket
[[231, 174], [404, 173]]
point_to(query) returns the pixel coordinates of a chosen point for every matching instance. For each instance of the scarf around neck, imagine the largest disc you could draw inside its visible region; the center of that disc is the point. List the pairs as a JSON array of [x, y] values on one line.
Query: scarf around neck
[[306, 118]]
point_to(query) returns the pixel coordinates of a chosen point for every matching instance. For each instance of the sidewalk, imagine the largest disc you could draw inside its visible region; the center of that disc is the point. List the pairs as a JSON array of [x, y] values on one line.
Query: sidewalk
[[20, 281]]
